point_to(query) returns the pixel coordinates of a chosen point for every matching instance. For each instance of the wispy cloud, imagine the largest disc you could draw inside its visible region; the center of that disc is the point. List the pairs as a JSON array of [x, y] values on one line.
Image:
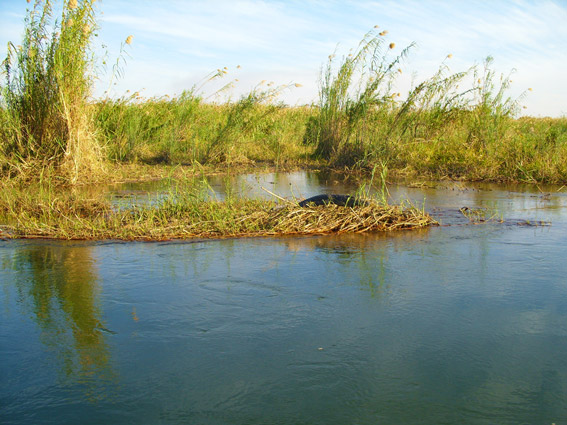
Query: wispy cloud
[[178, 42]]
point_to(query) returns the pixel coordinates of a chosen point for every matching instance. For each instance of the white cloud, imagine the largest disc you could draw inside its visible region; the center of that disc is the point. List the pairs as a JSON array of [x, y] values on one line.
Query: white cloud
[[178, 42]]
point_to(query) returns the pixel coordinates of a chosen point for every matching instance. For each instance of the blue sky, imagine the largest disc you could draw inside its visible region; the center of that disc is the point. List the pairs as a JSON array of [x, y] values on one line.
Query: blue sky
[[178, 42]]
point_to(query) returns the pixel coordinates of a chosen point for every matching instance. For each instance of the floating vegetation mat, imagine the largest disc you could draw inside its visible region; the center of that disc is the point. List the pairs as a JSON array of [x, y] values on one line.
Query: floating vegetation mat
[[189, 218], [336, 219]]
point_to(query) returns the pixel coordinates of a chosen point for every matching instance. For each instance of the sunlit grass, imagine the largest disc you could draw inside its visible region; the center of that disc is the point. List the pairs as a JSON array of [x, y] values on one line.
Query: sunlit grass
[[452, 124], [46, 117], [188, 130], [186, 212]]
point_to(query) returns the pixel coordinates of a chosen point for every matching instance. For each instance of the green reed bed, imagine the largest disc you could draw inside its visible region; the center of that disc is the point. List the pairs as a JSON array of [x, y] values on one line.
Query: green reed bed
[[435, 141], [49, 213], [527, 150], [46, 117], [452, 124], [188, 130]]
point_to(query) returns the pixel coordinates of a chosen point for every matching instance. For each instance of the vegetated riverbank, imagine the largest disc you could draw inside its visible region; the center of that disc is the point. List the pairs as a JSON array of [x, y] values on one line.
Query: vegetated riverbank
[[188, 212], [147, 139], [457, 125], [460, 125], [458, 144]]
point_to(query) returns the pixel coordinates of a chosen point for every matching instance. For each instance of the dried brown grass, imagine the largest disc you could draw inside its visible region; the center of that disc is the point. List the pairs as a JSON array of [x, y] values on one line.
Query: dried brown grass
[[52, 216], [336, 219]]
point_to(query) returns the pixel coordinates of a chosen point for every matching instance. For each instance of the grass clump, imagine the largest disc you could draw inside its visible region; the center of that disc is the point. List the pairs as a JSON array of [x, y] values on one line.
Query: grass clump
[[362, 84], [46, 117], [336, 219], [186, 214], [456, 125]]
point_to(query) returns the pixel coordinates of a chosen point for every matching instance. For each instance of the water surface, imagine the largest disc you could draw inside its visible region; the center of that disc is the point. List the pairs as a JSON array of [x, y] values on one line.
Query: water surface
[[464, 323]]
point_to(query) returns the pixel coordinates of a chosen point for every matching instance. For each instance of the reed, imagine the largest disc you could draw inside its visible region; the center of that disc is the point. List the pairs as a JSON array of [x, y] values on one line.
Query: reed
[[457, 125], [435, 132], [361, 83], [188, 130], [46, 117]]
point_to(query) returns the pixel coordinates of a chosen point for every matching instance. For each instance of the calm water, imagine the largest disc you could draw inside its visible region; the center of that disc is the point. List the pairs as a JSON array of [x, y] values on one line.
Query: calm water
[[453, 324]]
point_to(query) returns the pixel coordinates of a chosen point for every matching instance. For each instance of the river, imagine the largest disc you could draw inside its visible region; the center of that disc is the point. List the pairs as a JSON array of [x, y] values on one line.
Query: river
[[460, 323]]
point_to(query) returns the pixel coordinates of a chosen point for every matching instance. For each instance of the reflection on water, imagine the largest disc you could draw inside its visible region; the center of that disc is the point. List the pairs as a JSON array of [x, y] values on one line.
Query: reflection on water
[[303, 184], [57, 287], [457, 324], [365, 253]]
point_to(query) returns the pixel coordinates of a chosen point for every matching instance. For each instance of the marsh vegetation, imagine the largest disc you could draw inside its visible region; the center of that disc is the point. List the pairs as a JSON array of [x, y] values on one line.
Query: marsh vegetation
[[189, 210], [459, 125]]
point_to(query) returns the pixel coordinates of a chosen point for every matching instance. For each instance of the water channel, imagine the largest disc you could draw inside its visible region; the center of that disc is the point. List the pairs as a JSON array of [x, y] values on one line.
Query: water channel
[[460, 323]]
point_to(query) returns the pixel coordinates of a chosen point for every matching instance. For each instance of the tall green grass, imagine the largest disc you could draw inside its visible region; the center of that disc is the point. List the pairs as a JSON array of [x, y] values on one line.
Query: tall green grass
[[46, 117], [435, 132], [361, 118], [451, 124], [188, 130], [361, 84]]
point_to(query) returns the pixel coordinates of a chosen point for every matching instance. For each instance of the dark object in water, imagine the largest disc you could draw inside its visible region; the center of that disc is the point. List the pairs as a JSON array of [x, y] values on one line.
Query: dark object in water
[[108, 331], [340, 200]]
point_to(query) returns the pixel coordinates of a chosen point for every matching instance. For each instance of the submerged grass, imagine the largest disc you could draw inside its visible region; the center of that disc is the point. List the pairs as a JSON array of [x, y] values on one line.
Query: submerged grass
[[49, 213]]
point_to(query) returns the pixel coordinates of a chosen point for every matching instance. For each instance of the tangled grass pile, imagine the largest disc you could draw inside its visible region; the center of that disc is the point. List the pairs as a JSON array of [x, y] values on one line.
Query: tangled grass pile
[[56, 215], [325, 219]]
